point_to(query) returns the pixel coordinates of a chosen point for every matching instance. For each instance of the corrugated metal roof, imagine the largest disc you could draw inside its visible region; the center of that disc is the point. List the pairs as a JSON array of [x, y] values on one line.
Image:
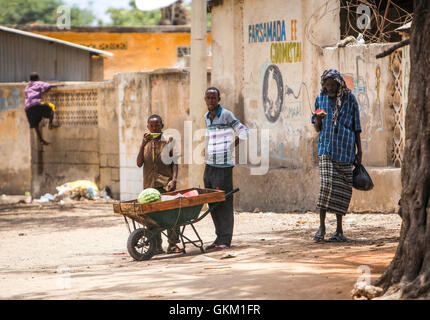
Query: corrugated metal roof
[[66, 43]]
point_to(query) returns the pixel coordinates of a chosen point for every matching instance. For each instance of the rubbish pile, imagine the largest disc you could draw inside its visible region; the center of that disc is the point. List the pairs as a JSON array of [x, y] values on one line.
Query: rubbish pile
[[76, 191]]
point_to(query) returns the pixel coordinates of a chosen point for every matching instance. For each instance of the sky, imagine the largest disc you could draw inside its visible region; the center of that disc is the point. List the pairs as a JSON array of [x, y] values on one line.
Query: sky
[[100, 6]]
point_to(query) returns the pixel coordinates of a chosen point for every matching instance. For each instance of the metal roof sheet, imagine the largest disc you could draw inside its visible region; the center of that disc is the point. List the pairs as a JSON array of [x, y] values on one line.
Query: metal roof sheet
[[66, 43]]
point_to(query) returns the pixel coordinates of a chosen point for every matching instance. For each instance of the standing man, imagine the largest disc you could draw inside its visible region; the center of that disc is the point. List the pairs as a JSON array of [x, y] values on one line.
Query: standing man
[[221, 126], [157, 173], [339, 147], [34, 108]]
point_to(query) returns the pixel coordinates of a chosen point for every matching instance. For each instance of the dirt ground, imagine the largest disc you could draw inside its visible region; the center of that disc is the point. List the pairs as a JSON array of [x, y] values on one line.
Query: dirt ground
[[78, 251]]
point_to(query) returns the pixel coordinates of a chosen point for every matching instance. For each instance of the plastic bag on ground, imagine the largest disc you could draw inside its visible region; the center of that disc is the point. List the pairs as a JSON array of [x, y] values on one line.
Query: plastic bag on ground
[[46, 198]]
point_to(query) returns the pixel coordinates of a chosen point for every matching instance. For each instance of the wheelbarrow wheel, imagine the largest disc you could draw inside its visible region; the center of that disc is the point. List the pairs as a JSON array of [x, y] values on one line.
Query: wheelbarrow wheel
[[139, 245]]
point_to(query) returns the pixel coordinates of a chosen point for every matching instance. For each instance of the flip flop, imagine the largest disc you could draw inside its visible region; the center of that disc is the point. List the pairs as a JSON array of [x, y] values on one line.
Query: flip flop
[[174, 249], [337, 237], [217, 246], [319, 236], [221, 246], [211, 246]]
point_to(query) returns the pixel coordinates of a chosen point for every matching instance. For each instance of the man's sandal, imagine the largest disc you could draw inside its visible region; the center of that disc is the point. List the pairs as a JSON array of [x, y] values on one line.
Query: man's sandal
[[337, 237], [174, 249], [319, 236]]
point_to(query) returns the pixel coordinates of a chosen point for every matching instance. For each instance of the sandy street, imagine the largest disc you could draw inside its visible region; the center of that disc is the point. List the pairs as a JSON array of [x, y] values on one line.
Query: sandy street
[[79, 252]]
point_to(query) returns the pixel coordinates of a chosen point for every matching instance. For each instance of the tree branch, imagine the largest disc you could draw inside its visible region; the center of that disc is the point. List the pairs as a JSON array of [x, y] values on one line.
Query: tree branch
[[393, 48]]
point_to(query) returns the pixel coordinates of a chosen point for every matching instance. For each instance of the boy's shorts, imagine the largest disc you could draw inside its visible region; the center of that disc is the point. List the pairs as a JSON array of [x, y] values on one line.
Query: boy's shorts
[[37, 112]]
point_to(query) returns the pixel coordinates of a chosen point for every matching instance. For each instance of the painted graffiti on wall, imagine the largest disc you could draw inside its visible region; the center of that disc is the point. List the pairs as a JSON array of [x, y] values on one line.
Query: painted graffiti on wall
[[267, 31], [286, 52], [371, 117], [276, 43], [357, 85], [9, 100], [281, 51], [274, 92], [378, 99]]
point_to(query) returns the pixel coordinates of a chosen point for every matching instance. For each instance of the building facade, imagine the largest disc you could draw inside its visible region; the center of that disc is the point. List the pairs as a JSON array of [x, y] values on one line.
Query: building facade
[[136, 48]]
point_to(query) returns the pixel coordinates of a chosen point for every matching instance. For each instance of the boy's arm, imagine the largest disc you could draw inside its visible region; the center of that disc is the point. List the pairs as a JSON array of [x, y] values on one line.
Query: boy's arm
[[48, 86], [172, 184], [140, 156]]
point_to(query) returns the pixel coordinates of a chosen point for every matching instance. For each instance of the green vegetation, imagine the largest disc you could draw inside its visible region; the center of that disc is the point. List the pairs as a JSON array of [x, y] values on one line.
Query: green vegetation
[[41, 12], [133, 17]]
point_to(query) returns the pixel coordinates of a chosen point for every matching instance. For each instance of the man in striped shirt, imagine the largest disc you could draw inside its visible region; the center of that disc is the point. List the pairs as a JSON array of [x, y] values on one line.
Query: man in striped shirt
[[222, 126]]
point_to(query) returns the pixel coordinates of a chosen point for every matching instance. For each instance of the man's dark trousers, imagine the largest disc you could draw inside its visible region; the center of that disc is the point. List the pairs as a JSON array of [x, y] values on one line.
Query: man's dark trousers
[[222, 216]]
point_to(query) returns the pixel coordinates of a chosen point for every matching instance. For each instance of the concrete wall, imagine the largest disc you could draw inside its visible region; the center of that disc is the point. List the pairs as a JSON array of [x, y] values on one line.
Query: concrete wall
[[15, 154], [164, 92], [101, 125], [271, 80], [73, 153], [108, 120]]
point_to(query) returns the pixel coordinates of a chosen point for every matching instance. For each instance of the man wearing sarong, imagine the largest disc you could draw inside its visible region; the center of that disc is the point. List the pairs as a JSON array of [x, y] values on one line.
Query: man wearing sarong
[[339, 148]]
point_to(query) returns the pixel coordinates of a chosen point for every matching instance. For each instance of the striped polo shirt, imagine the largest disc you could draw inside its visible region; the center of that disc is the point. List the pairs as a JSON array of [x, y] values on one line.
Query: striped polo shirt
[[220, 136]]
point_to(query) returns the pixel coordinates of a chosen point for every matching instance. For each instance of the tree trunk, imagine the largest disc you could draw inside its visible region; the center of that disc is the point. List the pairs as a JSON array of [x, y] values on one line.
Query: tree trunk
[[408, 275]]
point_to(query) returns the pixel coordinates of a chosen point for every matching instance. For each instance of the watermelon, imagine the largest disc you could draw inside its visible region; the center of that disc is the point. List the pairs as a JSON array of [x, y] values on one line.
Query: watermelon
[[155, 135], [320, 112], [149, 195]]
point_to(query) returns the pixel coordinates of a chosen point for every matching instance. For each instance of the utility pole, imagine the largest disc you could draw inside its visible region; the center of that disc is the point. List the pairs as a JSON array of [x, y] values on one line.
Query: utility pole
[[198, 83]]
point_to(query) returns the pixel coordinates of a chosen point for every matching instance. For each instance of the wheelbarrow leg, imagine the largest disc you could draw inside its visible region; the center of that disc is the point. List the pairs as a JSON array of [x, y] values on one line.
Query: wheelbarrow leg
[[200, 240], [195, 243], [126, 223], [182, 239]]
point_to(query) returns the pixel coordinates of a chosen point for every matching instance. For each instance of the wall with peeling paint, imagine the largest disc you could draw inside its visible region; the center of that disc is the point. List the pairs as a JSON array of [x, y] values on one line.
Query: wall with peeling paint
[[15, 154], [101, 125], [73, 153], [267, 61]]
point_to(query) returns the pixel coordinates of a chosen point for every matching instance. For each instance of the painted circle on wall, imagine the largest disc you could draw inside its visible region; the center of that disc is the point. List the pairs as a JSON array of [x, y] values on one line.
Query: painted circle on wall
[[273, 93]]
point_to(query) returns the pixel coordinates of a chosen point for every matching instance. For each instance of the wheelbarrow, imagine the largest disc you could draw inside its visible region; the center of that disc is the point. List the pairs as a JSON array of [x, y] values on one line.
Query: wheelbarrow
[[150, 219]]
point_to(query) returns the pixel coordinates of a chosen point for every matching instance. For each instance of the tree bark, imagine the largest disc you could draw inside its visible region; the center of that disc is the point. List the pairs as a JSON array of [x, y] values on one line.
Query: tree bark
[[408, 275]]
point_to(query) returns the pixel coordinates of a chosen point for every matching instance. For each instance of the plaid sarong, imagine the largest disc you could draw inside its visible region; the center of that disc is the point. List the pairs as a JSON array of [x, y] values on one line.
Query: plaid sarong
[[336, 185]]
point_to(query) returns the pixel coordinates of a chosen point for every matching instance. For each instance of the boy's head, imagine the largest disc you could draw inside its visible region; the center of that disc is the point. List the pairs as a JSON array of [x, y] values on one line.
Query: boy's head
[[212, 98], [34, 76], [155, 123]]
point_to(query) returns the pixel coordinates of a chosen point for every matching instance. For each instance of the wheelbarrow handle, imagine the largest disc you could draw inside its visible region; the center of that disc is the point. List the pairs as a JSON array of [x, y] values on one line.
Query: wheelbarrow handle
[[227, 195]]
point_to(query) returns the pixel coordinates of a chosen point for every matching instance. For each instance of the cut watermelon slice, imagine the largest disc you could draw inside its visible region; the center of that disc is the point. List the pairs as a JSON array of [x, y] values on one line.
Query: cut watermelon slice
[[320, 112]]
